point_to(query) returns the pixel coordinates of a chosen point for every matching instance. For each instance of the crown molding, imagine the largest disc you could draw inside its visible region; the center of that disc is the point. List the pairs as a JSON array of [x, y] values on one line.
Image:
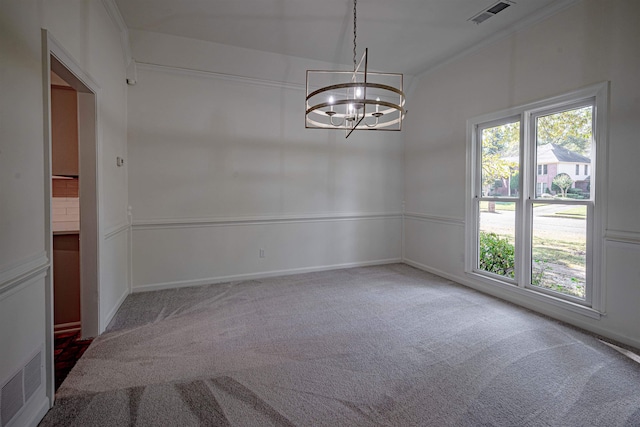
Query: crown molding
[[118, 21]]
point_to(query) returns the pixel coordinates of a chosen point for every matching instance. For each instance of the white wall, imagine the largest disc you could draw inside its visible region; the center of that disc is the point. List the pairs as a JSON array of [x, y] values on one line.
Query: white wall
[[220, 166], [86, 31], [591, 42]]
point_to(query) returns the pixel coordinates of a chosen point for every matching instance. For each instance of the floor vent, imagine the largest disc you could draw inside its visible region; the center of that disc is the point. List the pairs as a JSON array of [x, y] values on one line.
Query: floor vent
[[16, 392], [491, 11]]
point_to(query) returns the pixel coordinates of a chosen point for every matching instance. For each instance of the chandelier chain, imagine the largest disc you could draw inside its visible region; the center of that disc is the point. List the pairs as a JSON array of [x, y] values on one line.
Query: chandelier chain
[[355, 2]]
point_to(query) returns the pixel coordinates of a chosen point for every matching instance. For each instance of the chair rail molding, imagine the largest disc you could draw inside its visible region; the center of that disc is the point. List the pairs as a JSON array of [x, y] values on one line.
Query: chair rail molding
[[22, 272]]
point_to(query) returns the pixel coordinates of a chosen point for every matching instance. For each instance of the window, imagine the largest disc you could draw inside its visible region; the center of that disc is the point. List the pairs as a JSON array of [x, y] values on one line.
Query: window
[[586, 170], [530, 229]]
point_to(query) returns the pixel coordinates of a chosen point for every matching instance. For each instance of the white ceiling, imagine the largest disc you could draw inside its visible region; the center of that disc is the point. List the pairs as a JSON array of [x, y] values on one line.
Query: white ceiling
[[406, 36]]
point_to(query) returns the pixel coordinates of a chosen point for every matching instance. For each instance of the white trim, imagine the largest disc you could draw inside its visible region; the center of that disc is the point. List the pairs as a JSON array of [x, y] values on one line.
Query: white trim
[[223, 76], [38, 414], [114, 310], [23, 271], [458, 222], [118, 21], [597, 94], [56, 49], [115, 230], [548, 310], [628, 237], [630, 354], [33, 418], [259, 275], [627, 245], [90, 207], [487, 285], [63, 328], [27, 281], [259, 220], [519, 26]]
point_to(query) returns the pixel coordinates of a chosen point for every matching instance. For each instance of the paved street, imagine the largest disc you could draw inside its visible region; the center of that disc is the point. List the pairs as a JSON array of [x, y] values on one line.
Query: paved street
[[545, 225]]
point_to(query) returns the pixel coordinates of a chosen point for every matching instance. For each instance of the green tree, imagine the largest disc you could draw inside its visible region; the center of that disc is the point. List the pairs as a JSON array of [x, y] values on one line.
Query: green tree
[[570, 129], [503, 140], [514, 182], [563, 182], [500, 147]]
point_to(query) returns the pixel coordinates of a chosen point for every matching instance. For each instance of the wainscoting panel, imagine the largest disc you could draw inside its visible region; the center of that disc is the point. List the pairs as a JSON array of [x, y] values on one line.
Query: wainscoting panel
[[622, 286], [435, 242], [114, 281], [201, 252]]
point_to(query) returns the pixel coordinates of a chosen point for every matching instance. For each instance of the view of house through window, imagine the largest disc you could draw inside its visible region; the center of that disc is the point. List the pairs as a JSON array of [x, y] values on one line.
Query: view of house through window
[[534, 233]]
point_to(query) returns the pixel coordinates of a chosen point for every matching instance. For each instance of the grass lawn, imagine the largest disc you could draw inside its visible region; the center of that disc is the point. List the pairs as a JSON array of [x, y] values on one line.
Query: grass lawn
[[561, 252], [500, 206], [578, 212], [558, 264]]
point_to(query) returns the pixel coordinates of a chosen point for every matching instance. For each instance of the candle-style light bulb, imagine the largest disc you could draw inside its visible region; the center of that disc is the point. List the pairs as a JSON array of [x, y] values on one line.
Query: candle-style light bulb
[[377, 105]]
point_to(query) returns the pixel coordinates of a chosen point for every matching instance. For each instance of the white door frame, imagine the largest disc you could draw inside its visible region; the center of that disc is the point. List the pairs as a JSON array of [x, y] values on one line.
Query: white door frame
[[56, 58]]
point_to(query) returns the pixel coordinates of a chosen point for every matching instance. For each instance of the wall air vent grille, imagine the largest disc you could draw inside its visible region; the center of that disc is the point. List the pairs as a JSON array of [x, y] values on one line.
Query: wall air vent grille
[[16, 392], [481, 18], [488, 13], [498, 7], [32, 376], [11, 399]]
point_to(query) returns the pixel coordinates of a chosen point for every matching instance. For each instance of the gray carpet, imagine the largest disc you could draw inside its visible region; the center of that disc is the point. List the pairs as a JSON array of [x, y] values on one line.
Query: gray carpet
[[387, 345]]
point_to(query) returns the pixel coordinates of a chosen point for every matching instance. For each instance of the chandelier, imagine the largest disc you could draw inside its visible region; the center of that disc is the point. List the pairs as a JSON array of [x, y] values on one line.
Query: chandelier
[[358, 99]]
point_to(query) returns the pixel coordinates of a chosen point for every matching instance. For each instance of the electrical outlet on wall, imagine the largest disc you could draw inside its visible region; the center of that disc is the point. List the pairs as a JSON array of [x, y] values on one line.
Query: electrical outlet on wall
[[261, 252]]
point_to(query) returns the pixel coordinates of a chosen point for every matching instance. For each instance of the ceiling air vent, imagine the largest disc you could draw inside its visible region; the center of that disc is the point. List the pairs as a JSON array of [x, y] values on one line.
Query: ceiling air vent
[[488, 13]]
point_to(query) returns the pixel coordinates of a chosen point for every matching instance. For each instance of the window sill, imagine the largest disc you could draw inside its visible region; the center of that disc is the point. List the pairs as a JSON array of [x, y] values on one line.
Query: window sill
[[533, 296]]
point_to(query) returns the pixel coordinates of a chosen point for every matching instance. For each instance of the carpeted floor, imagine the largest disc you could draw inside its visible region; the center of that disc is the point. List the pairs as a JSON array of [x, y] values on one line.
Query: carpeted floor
[[386, 345]]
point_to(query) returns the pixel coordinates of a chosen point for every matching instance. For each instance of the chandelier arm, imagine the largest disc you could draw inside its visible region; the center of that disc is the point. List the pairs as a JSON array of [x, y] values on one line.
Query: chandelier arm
[[336, 124], [373, 125]]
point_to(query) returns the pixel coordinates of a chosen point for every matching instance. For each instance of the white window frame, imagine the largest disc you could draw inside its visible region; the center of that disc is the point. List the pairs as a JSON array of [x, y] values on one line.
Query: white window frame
[[594, 303]]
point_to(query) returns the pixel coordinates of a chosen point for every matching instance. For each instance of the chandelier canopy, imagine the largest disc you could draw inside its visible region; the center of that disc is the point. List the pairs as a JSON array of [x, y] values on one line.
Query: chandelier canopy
[[358, 99]]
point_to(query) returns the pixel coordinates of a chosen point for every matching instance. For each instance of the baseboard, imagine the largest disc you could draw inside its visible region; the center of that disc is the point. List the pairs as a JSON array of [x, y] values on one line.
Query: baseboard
[[63, 328], [114, 310], [39, 413], [531, 305], [259, 275], [31, 418], [433, 270]]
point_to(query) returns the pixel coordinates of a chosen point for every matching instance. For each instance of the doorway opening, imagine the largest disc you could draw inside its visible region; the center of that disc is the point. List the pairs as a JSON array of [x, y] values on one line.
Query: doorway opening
[[71, 209], [65, 208]]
